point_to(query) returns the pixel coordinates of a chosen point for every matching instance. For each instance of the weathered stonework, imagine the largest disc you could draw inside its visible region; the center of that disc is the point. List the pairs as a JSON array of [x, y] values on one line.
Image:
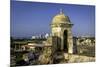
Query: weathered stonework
[[61, 30], [46, 56]]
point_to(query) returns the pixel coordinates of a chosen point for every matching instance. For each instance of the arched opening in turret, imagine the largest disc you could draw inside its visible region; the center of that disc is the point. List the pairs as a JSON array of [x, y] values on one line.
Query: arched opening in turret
[[65, 41]]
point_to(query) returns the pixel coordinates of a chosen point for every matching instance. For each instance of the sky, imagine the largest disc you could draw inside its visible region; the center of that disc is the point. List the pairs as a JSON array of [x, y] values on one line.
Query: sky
[[34, 18]]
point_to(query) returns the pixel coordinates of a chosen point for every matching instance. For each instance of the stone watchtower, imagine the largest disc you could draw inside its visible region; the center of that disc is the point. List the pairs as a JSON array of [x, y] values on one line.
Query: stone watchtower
[[62, 38]]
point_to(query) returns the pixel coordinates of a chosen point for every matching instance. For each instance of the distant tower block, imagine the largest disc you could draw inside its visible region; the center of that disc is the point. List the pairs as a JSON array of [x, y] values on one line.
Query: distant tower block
[[61, 33]]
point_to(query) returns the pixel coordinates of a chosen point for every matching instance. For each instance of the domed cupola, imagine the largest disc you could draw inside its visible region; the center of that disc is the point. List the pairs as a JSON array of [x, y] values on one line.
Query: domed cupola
[[60, 18]]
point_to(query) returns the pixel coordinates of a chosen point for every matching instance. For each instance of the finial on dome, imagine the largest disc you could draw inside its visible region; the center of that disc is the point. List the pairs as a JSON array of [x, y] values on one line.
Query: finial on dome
[[61, 11]]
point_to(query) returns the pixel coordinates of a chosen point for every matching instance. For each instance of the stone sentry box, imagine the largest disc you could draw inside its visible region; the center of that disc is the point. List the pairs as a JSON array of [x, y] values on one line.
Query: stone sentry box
[[61, 33]]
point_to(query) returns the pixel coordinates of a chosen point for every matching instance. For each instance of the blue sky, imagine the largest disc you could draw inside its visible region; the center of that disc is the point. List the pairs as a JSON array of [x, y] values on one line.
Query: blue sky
[[31, 18]]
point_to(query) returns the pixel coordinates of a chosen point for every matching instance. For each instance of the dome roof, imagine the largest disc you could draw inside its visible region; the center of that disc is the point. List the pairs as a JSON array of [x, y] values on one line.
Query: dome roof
[[60, 18]]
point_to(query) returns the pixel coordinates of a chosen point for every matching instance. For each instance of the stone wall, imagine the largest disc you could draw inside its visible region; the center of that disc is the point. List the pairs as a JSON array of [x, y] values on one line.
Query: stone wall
[[78, 58], [46, 56], [85, 46]]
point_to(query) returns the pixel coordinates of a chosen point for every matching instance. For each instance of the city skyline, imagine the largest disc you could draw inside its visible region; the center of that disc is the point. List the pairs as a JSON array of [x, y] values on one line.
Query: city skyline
[[31, 18]]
